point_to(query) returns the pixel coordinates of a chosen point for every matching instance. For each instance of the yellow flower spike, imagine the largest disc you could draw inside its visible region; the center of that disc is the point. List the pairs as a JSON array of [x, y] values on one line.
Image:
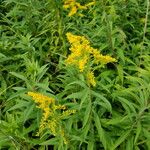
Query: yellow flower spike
[[80, 49], [77, 52], [51, 117], [60, 107], [71, 60], [42, 127], [105, 59], [72, 38], [74, 6], [67, 113], [46, 113], [81, 15], [39, 98], [52, 125], [82, 63], [66, 6], [63, 136], [99, 58], [72, 11], [84, 41], [80, 6], [82, 52], [90, 4], [91, 78]]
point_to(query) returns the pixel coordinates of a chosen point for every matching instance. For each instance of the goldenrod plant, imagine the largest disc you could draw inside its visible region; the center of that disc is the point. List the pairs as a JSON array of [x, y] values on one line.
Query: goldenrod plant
[[74, 75]]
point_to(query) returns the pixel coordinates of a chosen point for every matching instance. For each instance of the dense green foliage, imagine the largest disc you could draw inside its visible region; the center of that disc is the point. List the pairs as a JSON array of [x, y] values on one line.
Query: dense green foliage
[[113, 115]]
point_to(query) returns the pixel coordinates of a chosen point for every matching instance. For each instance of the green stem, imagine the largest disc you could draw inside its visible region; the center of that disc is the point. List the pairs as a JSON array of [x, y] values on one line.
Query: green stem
[[145, 28], [109, 28]]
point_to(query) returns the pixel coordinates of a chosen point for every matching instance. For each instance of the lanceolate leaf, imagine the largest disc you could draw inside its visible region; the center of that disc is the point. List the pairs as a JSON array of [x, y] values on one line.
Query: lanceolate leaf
[[121, 139], [100, 131], [102, 98]]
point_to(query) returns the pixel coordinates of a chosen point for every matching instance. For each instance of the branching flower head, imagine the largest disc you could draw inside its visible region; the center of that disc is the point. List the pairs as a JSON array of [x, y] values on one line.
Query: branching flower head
[[51, 118], [75, 6], [82, 54], [91, 78]]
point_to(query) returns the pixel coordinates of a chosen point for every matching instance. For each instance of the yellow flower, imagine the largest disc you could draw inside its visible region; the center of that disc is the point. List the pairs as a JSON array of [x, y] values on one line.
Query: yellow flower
[[67, 113], [106, 59], [53, 125], [68, 3], [72, 11], [80, 49], [47, 113], [80, 6], [82, 63], [90, 4], [59, 107], [99, 58], [63, 136], [52, 117], [72, 38], [75, 6], [84, 56], [91, 78], [39, 98]]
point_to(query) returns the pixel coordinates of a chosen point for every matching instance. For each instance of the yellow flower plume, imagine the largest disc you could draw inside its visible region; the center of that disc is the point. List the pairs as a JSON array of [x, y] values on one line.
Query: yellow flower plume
[[91, 78], [82, 54], [51, 118], [75, 6]]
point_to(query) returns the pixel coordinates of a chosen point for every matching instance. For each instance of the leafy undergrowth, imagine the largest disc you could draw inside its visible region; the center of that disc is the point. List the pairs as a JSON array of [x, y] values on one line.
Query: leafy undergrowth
[[74, 75]]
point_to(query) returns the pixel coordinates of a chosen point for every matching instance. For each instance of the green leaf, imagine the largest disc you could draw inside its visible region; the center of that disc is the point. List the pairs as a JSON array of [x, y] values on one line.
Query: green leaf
[[28, 111], [127, 102], [100, 130], [121, 139], [138, 131], [120, 73], [19, 105], [90, 145], [120, 53], [115, 121], [75, 95], [105, 101], [44, 86], [87, 113], [52, 141], [19, 76], [82, 84], [85, 131], [41, 72], [84, 98], [129, 143]]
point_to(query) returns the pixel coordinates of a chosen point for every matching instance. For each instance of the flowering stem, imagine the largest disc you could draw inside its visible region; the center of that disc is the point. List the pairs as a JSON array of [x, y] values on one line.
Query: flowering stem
[[145, 28]]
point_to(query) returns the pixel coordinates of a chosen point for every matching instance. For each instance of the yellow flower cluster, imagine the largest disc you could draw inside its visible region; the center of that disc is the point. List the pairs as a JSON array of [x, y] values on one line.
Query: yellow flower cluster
[[91, 79], [99, 58], [82, 53], [51, 118], [75, 6]]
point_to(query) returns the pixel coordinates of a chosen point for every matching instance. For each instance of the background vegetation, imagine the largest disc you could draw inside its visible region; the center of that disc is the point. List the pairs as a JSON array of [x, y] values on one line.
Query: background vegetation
[[113, 115]]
